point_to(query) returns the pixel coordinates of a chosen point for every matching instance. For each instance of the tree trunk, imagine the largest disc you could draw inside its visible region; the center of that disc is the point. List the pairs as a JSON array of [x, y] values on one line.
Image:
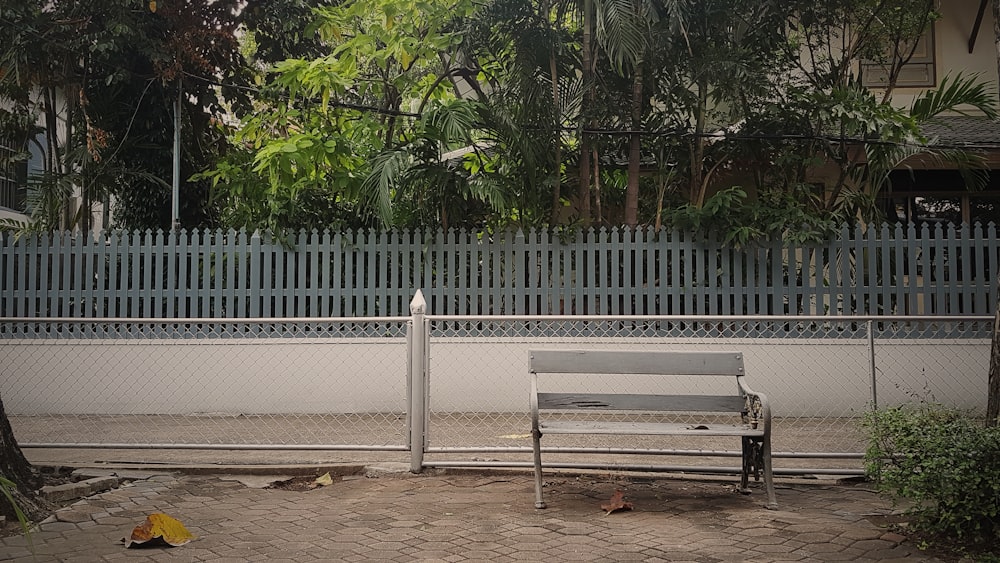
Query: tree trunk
[[598, 209], [634, 152], [13, 464], [587, 55], [697, 188], [15, 467], [554, 79], [583, 194], [993, 393]]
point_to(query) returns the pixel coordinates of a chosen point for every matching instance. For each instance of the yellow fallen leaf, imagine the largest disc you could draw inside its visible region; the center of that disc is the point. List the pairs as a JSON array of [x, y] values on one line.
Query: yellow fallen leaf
[[323, 480], [161, 526], [515, 436]]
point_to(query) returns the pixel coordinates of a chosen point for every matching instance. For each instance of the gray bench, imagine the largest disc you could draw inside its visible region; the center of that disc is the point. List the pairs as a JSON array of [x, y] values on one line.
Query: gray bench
[[575, 411]]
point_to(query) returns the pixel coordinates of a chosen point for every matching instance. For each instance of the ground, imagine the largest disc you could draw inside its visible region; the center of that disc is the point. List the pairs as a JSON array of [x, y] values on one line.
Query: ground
[[51, 476], [306, 485]]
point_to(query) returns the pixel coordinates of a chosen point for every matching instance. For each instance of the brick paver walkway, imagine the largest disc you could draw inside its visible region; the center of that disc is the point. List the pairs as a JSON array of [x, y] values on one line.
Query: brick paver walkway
[[452, 516]]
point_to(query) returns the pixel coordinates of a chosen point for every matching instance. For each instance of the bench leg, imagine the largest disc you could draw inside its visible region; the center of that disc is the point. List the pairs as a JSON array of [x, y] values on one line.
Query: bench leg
[[748, 465], [772, 502], [757, 458], [536, 437]]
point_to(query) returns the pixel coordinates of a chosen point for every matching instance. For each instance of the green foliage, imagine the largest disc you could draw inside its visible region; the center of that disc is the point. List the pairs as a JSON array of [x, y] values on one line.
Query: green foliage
[[99, 78], [356, 103], [945, 462], [6, 486], [739, 220], [355, 137]]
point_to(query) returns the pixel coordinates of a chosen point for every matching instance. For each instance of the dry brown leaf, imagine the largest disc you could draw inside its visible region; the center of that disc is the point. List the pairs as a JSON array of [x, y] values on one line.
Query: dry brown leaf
[[322, 481], [167, 529], [617, 502]]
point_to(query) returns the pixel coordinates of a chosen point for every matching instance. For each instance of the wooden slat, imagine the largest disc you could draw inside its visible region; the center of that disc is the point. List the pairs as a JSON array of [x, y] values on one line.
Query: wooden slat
[[7, 261], [992, 256], [66, 306], [33, 287], [370, 263], [623, 401], [50, 295], [337, 258], [637, 362], [954, 256], [899, 273], [978, 252], [885, 279], [646, 428]]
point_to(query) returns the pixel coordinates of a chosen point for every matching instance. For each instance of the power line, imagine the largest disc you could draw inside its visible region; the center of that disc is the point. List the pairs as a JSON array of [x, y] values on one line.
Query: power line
[[716, 136], [335, 103]]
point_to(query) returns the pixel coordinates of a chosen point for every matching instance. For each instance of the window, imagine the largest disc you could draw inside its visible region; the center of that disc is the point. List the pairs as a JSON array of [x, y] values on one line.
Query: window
[[13, 175], [939, 196], [919, 71]]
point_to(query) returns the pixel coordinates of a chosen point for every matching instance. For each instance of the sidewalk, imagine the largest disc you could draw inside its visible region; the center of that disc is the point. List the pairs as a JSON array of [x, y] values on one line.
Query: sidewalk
[[388, 514]]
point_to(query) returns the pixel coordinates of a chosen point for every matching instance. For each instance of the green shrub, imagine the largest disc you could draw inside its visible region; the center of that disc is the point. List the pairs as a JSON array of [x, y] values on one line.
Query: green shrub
[[943, 460]]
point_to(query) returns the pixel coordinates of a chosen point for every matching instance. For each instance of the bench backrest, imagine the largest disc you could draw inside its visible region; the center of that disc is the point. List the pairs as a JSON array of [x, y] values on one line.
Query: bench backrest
[[665, 363]]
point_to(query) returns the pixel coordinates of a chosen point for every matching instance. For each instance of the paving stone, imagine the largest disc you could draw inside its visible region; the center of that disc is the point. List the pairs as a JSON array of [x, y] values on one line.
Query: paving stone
[[892, 537], [67, 491], [468, 517]]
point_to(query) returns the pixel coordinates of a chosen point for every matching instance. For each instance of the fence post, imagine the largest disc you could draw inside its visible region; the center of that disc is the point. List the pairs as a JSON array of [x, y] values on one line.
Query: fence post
[[416, 380], [871, 362]]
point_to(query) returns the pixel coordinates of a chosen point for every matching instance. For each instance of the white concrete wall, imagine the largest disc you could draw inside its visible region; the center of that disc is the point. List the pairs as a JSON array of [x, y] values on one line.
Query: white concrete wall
[[828, 377], [801, 377], [203, 376]]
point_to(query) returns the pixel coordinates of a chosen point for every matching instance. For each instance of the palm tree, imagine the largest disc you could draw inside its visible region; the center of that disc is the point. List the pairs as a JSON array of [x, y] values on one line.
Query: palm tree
[[624, 29]]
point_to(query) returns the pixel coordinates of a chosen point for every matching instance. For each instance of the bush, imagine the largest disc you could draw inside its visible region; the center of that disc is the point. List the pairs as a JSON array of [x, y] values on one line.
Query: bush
[[944, 461]]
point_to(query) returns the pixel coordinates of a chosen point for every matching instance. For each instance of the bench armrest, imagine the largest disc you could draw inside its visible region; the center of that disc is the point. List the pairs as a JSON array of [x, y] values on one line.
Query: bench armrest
[[757, 411]]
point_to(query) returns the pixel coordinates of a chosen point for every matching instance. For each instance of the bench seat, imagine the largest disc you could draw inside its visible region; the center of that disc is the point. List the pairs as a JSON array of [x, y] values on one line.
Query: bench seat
[[647, 428]]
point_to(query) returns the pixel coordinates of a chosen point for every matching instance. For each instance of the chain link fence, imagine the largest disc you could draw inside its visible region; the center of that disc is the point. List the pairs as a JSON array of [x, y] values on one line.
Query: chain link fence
[[821, 374], [335, 383], [344, 384]]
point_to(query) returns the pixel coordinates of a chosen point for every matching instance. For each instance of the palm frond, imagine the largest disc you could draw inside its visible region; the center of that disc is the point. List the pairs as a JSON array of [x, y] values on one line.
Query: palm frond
[[972, 166], [571, 94], [674, 13], [377, 189], [489, 189], [954, 95], [622, 31], [452, 121]]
